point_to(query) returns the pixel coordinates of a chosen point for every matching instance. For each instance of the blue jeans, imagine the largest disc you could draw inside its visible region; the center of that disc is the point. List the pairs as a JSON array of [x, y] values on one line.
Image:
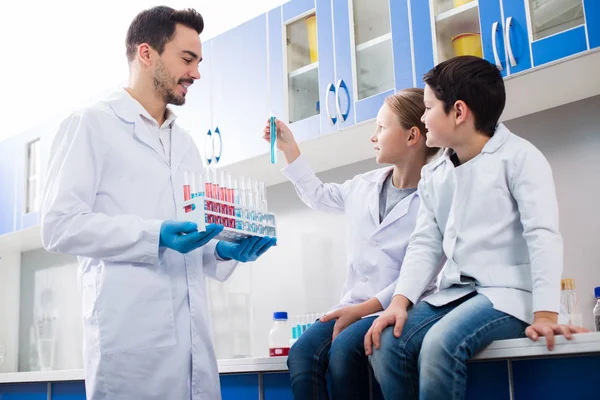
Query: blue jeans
[[314, 356], [429, 360]]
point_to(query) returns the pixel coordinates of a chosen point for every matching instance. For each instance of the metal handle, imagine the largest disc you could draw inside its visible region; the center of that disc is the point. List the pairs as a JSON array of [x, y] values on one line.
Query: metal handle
[[208, 138], [218, 132], [511, 56], [330, 88], [342, 85], [495, 47]]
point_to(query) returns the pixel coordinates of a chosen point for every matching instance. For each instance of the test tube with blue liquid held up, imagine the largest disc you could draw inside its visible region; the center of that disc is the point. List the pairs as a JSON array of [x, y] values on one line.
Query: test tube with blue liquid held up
[[273, 138]]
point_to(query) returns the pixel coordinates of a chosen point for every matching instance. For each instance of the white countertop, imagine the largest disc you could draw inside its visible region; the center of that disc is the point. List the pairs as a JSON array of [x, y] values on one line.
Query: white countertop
[[588, 343]]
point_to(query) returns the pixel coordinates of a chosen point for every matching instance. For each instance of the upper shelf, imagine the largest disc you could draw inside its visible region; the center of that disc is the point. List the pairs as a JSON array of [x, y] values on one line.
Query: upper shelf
[[303, 70], [374, 42]]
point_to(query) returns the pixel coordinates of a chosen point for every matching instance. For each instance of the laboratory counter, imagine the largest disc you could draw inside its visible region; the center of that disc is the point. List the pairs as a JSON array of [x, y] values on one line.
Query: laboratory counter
[[507, 369]]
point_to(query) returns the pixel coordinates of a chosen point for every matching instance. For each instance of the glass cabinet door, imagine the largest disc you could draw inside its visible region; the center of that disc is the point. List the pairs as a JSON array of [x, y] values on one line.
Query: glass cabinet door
[[457, 30], [302, 68], [549, 17], [557, 29], [372, 47]]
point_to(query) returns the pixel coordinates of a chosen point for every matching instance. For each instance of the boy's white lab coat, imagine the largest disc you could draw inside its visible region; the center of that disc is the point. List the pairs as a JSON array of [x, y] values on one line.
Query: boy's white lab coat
[[495, 218], [145, 310], [375, 251]]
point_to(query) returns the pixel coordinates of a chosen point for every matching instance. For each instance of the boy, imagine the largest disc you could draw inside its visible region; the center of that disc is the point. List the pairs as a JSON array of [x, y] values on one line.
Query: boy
[[488, 205]]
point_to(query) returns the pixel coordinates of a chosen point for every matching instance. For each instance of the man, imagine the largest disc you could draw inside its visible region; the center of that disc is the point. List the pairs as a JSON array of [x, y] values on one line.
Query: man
[[114, 177]]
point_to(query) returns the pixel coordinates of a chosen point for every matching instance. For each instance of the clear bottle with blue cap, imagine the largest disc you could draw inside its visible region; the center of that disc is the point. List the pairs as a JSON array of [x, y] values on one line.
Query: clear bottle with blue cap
[[279, 336], [597, 309]]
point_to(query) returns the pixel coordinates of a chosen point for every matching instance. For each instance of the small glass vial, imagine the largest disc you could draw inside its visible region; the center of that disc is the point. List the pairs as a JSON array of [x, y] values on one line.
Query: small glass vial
[[279, 336]]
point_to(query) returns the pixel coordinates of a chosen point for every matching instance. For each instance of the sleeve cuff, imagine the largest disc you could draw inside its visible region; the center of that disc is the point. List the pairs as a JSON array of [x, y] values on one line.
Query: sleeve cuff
[[546, 302], [297, 170], [152, 233], [411, 293], [385, 296]]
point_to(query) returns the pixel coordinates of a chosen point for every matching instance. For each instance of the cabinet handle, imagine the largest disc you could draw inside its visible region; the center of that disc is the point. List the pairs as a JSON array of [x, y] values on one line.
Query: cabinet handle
[[208, 144], [330, 88], [511, 56], [342, 85], [495, 47], [218, 133]]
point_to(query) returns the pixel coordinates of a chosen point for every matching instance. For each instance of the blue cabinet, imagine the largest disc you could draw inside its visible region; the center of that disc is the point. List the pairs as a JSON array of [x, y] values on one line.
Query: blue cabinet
[[557, 30], [7, 185], [504, 35], [373, 55], [515, 35], [592, 19], [294, 52], [239, 88]]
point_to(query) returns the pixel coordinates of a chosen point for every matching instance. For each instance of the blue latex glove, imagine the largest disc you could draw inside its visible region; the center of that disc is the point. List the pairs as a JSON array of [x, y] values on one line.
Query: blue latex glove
[[248, 249], [184, 236]]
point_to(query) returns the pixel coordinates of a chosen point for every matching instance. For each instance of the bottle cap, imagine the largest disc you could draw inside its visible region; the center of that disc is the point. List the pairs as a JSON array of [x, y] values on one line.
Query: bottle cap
[[280, 315]]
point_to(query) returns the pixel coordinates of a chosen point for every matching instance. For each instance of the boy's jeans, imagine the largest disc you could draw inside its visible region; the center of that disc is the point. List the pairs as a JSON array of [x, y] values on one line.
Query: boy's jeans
[[429, 360]]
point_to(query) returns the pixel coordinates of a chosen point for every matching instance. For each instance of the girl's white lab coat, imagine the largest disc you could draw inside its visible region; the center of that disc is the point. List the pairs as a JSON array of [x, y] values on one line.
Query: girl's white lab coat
[[375, 251], [145, 311], [495, 219]]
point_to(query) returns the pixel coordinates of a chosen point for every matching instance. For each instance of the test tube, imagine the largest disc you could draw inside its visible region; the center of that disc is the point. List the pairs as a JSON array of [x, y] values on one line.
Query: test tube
[[187, 190], [223, 186], [249, 205], [231, 201], [237, 211], [294, 329], [299, 325], [304, 323]]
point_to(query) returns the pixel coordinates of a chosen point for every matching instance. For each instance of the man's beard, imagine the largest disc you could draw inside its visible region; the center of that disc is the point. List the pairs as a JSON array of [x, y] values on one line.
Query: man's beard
[[163, 82]]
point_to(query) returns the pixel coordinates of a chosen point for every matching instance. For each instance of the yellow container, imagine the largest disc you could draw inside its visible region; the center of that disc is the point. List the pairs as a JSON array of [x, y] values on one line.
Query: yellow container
[[467, 44], [458, 3], [311, 25]]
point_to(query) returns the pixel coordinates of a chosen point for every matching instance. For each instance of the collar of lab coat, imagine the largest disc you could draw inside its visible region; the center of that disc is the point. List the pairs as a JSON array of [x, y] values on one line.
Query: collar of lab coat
[[130, 110], [377, 178], [500, 136]]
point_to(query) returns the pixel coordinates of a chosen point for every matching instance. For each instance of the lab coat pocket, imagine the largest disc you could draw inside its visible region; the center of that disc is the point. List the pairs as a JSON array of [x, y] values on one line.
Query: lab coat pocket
[[135, 309]]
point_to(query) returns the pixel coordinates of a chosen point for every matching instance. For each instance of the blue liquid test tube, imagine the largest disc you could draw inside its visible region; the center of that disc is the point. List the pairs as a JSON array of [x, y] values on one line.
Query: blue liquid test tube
[[273, 137]]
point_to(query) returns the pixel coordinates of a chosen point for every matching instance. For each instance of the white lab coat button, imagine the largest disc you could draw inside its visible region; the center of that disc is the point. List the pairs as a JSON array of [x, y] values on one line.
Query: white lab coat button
[[364, 279], [196, 391], [374, 244]]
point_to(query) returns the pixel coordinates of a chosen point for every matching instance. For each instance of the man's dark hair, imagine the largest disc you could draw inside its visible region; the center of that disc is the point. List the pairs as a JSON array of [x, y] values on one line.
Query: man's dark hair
[[156, 26], [476, 82]]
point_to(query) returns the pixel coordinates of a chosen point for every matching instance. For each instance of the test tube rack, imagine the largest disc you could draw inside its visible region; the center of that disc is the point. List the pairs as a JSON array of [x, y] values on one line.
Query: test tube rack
[[204, 211]]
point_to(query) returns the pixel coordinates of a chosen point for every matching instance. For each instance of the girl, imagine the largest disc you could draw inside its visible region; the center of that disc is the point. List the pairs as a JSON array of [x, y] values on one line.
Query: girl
[[381, 209]]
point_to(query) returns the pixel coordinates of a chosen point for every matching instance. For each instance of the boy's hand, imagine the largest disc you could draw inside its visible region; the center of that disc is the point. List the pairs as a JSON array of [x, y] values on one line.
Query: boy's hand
[[396, 314], [544, 324], [345, 317], [285, 140]]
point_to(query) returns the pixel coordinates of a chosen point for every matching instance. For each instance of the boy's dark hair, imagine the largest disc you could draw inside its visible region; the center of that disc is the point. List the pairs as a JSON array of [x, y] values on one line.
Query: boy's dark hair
[[156, 26], [476, 82]]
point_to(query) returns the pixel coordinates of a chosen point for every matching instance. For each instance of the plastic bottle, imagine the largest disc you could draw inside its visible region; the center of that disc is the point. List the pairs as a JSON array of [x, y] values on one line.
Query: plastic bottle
[[597, 309], [279, 336]]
